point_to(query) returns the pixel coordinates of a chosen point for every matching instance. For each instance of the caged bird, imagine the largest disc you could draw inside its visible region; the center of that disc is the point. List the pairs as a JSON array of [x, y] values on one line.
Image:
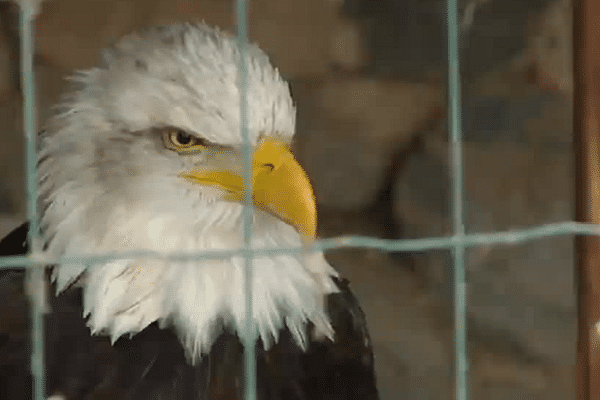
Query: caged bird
[[145, 153]]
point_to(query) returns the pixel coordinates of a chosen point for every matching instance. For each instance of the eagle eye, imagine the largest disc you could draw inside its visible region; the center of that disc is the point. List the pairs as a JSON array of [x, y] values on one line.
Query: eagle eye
[[178, 139]]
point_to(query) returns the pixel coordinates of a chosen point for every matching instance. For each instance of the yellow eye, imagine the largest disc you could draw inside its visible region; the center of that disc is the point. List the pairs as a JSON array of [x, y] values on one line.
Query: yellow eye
[[178, 139]]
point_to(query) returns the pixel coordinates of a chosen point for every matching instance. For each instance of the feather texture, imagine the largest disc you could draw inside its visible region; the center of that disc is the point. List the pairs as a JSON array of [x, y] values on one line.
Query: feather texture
[[152, 364]]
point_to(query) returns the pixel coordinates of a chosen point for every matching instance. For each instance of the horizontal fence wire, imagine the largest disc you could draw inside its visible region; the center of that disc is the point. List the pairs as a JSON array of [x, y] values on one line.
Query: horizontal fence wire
[[511, 237], [460, 240]]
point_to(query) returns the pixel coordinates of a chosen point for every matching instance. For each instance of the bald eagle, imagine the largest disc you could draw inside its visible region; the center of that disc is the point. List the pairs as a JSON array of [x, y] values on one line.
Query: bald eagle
[[145, 154]]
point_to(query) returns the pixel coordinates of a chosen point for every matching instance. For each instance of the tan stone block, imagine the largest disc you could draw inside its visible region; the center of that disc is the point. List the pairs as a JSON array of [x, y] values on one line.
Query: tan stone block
[[295, 33], [348, 128], [550, 47]]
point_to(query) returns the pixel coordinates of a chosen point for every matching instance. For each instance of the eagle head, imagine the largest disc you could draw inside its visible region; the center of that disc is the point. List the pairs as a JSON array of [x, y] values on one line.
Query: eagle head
[[145, 153]]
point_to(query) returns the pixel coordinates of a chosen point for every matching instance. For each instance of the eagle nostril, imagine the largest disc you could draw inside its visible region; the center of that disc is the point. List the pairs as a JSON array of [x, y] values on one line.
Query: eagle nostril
[[270, 166]]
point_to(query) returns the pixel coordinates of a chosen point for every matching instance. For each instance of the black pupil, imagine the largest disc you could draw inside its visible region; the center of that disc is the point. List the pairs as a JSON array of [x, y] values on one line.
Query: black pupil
[[183, 138]]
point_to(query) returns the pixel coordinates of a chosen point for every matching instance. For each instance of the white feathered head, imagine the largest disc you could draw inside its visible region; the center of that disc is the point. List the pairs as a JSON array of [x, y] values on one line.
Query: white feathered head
[[146, 154]]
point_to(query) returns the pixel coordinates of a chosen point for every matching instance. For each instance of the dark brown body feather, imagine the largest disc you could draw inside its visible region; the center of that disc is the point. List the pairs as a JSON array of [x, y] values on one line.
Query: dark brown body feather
[[152, 364]]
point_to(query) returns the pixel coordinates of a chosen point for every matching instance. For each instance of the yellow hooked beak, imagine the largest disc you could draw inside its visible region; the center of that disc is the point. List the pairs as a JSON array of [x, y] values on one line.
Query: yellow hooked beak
[[280, 185]]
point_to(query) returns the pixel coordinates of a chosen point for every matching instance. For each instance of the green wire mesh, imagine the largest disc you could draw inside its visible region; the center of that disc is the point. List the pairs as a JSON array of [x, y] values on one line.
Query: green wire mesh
[[250, 336], [460, 293], [459, 242], [35, 276]]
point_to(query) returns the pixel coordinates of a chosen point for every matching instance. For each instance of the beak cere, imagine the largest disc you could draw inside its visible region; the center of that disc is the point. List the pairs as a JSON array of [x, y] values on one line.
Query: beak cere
[[280, 186]]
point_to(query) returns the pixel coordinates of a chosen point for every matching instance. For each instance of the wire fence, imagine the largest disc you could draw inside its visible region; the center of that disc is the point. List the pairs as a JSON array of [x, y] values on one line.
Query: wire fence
[[458, 242]]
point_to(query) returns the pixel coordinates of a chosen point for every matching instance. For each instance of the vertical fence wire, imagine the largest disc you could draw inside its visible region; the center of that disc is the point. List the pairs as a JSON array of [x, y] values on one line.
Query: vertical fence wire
[[249, 339], [35, 275], [456, 159]]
